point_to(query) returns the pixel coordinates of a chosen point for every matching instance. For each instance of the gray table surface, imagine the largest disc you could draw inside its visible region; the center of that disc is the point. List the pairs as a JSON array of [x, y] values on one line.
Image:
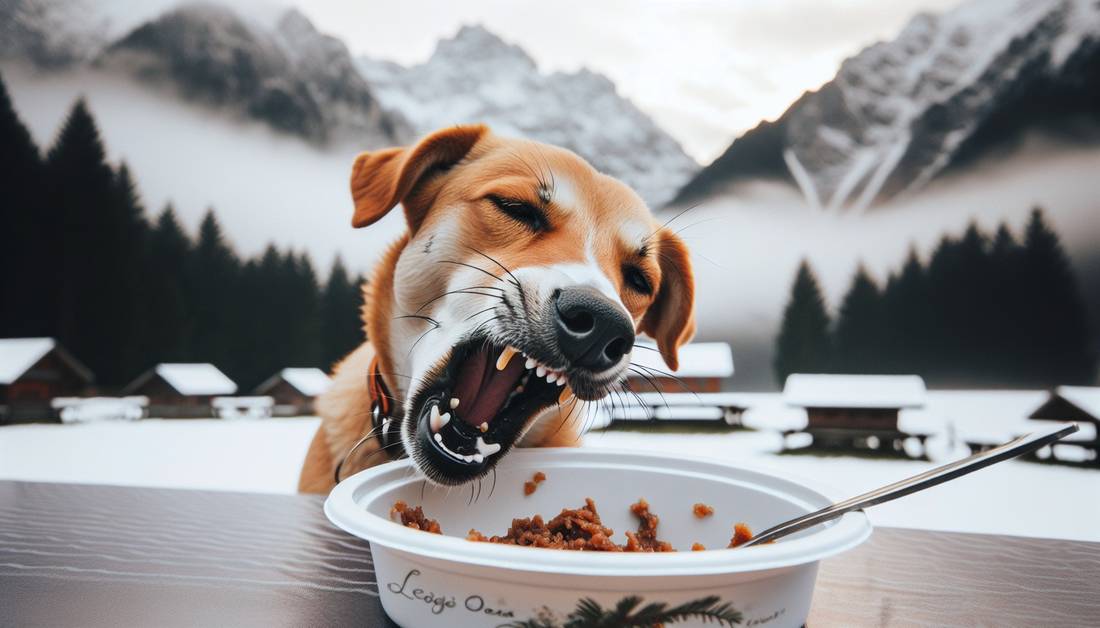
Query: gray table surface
[[89, 556]]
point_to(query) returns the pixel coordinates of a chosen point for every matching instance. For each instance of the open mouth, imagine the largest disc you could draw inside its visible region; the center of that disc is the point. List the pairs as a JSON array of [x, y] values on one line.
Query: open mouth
[[477, 405]]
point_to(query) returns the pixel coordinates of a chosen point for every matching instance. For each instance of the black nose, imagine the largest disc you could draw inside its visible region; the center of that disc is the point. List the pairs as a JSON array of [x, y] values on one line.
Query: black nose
[[592, 331]]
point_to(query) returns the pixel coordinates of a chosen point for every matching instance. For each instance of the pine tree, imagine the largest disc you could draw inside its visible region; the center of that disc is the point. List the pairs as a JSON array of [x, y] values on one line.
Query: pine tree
[[81, 215], [24, 246], [907, 316], [341, 321], [304, 325], [123, 263], [166, 321], [212, 286], [803, 342], [264, 338], [860, 327], [1058, 342], [1003, 359]]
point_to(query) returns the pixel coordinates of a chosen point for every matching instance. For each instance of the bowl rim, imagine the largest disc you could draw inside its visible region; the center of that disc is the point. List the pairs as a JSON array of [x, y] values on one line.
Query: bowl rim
[[343, 509]]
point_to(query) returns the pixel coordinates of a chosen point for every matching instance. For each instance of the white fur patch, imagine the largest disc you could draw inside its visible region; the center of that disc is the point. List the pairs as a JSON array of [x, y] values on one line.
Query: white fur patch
[[565, 192]]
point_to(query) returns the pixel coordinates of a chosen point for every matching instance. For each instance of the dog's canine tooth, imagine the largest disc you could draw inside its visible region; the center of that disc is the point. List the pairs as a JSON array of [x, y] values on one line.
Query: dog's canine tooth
[[435, 421], [454, 403], [444, 419], [529, 364], [540, 371], [506, 356]]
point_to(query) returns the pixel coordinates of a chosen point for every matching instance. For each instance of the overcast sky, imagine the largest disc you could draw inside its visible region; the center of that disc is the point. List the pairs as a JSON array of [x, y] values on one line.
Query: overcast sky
[[705, 70]]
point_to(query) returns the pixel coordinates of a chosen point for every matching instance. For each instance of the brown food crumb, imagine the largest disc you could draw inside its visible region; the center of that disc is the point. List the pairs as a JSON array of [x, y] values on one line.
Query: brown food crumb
[[645, 539], [741, 535], [533, 484], [698, 547], [702, 511], [414, 518]]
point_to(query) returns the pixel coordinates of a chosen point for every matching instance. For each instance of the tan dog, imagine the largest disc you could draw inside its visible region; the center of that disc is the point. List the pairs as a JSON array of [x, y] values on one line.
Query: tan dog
[[511, 301]]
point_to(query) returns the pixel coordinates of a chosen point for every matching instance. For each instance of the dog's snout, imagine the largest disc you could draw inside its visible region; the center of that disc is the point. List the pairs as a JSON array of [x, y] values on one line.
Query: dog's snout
[[592, 332]]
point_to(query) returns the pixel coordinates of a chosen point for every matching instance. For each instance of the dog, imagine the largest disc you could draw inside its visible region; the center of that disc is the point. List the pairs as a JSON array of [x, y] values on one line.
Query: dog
[[508, 306]]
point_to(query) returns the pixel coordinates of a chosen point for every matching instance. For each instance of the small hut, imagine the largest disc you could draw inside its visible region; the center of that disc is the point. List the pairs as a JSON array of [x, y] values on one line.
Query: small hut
[[182, 390], [704, 366], [1075, 403], [855, 411], [294, 390], [32, 372]]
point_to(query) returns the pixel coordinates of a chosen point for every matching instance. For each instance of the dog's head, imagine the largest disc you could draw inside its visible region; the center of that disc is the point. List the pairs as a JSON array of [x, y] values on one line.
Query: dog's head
[[519, 289]]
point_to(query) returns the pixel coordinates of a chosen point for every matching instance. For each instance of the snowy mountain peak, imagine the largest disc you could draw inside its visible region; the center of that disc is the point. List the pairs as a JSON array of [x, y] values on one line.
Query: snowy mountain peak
[[900, 112], [289, 75], [478, 45], [475, 76]]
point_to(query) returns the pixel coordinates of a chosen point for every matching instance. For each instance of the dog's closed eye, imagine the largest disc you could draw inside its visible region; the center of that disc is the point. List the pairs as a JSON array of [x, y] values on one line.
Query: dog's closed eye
[[637, 279], [521, 211]]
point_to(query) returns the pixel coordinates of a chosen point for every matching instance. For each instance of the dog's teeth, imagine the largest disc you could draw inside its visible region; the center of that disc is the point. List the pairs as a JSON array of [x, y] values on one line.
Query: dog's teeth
[[439, 438], [478, 458], [444, 419], [540, 371], [529, 364], [484, 427], [505, 357], [519, 389], [566, 395], [435, 421], [486, 449], [561, 381], [454, 403], [551, 377]]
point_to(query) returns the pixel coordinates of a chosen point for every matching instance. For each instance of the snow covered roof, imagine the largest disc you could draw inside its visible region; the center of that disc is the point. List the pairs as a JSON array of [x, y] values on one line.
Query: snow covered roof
[[196, 379], [19, 354], [697, 359], [1085, 398], [854, 391], [308, 381]]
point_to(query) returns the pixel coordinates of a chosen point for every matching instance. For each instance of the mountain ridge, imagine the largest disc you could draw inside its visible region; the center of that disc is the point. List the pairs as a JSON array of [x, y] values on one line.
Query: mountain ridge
[[899, 113], [475, 76]]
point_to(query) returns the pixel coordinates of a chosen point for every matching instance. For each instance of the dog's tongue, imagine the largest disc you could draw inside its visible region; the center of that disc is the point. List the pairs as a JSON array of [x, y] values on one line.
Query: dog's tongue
[[481, 388]]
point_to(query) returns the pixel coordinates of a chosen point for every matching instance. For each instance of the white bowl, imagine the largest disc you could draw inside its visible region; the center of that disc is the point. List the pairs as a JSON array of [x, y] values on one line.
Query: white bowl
[[429, 580]]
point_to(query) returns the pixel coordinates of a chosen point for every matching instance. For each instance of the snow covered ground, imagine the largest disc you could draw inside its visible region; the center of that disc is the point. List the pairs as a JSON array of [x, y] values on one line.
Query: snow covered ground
[[1014, 497]]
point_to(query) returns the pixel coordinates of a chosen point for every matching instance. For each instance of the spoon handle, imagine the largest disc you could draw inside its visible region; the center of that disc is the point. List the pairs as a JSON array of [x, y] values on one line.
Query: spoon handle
[[1015, 447]]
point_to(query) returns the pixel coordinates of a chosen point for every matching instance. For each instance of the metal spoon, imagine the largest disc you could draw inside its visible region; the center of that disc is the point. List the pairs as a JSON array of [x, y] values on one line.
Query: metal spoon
[[1015, 447]]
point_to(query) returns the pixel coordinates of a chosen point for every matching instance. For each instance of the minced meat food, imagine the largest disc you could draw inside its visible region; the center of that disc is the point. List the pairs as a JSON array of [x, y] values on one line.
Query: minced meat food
[[578, 529], [414, 518]]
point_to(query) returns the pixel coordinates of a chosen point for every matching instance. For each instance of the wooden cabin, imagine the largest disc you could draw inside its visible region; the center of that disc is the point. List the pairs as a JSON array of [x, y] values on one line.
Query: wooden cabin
[[855, 411], [704, 368], [182, 390], [294, 390], [32, 372], [1075, 403]]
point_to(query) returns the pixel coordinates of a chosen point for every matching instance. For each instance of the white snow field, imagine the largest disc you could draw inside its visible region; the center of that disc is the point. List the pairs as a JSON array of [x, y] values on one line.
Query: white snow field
[[1015, 497]]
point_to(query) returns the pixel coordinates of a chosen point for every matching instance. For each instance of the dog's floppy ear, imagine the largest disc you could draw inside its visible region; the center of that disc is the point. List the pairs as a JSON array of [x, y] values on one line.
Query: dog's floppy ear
[[381, 179], [670, 320]]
